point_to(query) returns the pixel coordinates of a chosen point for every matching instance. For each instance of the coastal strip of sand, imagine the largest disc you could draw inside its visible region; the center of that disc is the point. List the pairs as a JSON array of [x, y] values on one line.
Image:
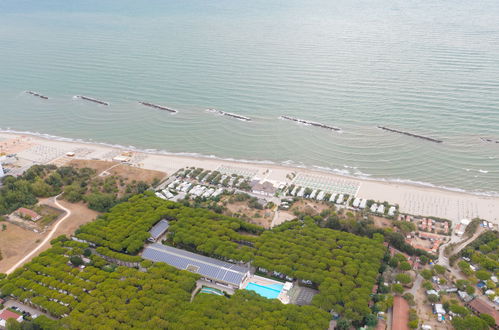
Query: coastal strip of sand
[[412, 199]]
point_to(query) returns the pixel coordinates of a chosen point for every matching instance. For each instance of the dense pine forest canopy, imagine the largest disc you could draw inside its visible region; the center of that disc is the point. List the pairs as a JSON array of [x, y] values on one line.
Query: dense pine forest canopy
[[343, 266], [155, 297], [76, 185]]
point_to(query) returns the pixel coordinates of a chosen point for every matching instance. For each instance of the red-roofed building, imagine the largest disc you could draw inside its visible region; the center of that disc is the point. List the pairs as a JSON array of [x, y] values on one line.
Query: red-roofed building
[[400, 317], [6, 314], [27, 213]]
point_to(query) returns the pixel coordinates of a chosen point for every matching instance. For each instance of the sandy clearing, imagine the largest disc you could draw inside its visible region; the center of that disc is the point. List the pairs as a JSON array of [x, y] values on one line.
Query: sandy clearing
[[17, 244]]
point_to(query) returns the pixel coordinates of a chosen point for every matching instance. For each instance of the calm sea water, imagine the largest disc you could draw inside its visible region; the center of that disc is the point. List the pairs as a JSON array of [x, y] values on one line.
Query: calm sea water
[[428, 67]]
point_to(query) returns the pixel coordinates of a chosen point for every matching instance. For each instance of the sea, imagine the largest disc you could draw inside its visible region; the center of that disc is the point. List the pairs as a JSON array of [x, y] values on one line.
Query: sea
[[426, 67]]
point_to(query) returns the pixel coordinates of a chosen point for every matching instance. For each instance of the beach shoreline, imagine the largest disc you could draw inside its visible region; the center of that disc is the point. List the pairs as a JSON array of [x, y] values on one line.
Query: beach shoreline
[[413, 198]]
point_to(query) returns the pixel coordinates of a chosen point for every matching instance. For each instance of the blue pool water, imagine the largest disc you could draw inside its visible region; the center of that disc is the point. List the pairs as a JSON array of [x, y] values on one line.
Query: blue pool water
[[212, 291], [268, 291]]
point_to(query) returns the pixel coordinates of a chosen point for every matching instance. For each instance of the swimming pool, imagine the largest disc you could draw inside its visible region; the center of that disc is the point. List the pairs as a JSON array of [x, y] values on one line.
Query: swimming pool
[[212, 291], [268, 291]]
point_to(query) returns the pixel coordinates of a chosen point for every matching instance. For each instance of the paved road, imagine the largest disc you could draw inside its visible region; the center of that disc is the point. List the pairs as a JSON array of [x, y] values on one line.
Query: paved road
[[45, 241]]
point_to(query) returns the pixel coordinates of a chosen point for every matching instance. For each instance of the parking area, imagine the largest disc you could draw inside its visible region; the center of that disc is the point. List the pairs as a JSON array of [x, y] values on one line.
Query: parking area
[[25, 308]]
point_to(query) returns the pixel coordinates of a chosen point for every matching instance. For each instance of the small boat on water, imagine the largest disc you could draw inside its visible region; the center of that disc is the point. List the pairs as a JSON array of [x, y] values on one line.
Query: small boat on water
[[228, 114], [37, 95], [86, 98], [312, 123], [410, 134], [159, 107]]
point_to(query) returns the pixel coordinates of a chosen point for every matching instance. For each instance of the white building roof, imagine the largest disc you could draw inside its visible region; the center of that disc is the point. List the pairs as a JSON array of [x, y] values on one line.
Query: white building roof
[[356, 202], [340, 199], [439, 309], [392, 210], [374, 207]]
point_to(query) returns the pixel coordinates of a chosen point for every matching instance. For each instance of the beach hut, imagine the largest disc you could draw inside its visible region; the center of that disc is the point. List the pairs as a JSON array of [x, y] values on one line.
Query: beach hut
[[374, 207], [363, 204], [313, 194], [301, 192], [320, 196], [333, 197], [381, 209]]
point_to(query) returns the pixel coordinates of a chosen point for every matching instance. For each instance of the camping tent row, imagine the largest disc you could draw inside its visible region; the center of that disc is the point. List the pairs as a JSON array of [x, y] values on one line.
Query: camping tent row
[[375, 208], [220, 272], [318, 195]]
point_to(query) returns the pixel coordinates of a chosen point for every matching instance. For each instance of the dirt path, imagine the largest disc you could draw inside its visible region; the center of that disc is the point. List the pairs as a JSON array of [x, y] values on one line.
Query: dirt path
[[20, 246], [45, 240]]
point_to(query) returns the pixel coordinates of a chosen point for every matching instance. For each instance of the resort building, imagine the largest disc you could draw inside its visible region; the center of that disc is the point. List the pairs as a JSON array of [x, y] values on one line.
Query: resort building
[[212, 270], [265, 188], [28, 214], [158, 230]]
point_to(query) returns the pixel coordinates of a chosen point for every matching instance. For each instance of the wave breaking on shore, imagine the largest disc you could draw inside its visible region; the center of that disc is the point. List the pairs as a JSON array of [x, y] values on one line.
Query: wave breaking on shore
[[345, 172]]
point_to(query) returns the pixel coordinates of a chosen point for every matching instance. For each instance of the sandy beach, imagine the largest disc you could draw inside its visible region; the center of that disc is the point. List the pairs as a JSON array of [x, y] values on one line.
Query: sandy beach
[[412, 199]]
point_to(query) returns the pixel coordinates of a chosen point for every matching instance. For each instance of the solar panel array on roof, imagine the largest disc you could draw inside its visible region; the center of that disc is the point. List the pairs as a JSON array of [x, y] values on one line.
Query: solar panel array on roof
[[159, 228], [208, 267]]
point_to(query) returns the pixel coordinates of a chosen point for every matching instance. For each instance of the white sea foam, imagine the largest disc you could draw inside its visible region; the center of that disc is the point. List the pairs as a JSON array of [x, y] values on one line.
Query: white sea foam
[[289, 163]]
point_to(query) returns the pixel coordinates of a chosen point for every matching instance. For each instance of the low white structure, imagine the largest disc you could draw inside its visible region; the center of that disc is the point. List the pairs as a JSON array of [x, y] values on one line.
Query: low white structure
[[167, 193], [340, 199], [208, 192], [391, 211], [218, 192], [320, 196], [312, 195], [333, 197], [160, 195], [439, 309], [2, 173], [293, 193], [301, 192], [381, 209], [356, 202], [374, 207], [363, 204]]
